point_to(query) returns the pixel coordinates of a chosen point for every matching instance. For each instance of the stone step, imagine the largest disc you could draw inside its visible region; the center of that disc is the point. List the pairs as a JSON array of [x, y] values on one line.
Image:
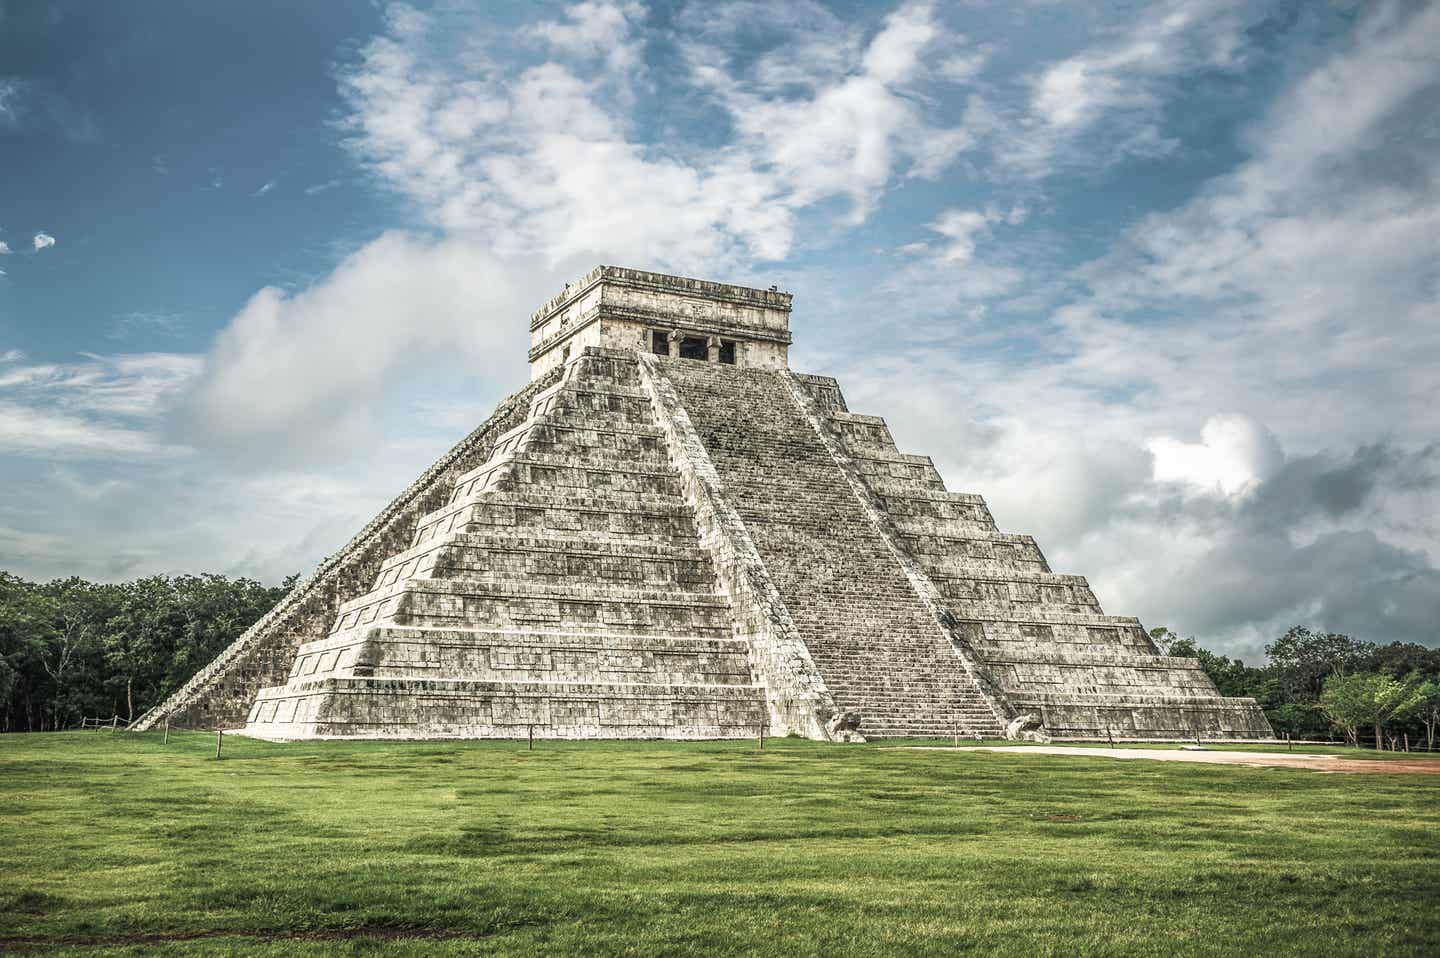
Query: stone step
[[901, 501], [1008, 577], [562, 510], [579, 443], [510, 540], [446, 603], [578, 562], [982, 544], [857, 418], [523, 466], [1007, 614], [546, 443], [1126, 699], [969, 598], [861, 453], [521, 588], [1032, 653], [573, 401], [862, 432], [547, 637], [1078, 715], [869, 633], [420, 708], [909, 524], [475, 655]]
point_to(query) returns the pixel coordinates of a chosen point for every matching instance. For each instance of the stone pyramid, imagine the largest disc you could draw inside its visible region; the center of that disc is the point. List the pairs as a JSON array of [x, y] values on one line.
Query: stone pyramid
[[669, 534]]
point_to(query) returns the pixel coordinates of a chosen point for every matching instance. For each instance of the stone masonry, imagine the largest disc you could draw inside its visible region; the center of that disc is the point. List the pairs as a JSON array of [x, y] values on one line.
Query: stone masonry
[[669, 534]]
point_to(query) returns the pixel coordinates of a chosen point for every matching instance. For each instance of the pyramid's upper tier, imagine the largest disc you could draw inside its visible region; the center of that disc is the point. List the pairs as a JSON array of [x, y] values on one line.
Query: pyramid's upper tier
[[651, 312]]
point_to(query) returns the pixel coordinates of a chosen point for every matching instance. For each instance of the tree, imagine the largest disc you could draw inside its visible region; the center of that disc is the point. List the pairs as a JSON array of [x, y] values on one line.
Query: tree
[[1402, 658], [1165, 639], [1360, 699], [1302, 660], [70, 647], [1428, 708], [136, 635]]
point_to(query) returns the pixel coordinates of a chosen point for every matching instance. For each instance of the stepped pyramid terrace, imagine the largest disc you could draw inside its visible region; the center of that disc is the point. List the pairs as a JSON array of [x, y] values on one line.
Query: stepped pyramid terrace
[[670, 534]]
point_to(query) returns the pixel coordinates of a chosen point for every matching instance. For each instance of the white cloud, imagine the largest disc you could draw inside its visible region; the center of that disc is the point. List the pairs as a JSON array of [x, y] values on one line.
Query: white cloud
[[534, 161], [4, 248], [265, 187], [103, 406], [43, 241], [26, 430], [1119, 85], [1233, 454], [966, 66], [539, 158], [851, 130], [321, 187], [302, 373], [137, 385], [598, 30], [1302, 282], [960, 228], [12, 90]]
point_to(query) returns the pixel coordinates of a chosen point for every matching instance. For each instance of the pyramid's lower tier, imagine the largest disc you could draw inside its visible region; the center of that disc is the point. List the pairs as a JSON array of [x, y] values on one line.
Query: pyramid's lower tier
[[674, 548]]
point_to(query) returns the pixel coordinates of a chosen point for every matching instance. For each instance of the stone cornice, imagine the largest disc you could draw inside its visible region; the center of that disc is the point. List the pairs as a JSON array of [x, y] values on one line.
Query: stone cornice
[[660, 319], [661, 283]]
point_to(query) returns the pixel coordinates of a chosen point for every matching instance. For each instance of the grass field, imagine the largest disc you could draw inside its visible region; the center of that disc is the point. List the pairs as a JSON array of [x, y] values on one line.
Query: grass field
[[112, 843]]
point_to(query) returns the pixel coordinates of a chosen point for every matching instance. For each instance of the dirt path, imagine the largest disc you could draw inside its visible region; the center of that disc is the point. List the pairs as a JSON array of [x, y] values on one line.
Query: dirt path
[[1315, 763]]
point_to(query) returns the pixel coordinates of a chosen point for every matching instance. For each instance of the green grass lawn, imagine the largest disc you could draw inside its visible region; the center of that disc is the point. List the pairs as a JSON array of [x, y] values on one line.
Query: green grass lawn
[[113, 843]]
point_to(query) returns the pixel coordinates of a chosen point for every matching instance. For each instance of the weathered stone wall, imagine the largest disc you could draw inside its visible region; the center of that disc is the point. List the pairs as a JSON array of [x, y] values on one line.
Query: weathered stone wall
[[560, 590], [875, 642], [1040, 637], [655, 547], [220, 695], [617, 308], [796, 695]]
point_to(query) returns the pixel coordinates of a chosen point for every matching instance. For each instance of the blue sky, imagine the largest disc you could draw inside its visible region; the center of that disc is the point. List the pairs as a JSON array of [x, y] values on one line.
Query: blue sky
[[1157, 279]]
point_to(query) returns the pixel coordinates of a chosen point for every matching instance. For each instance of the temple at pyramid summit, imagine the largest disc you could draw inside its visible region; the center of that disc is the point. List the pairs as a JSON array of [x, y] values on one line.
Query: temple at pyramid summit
[[669, 534]]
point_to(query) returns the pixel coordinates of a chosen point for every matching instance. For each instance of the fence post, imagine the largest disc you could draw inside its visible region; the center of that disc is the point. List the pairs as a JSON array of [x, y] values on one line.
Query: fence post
[[114, 720], [1289, 745], [531, 729], [1407, 741], [167, 731], [1110, 734], [762, 736], [219, 738]]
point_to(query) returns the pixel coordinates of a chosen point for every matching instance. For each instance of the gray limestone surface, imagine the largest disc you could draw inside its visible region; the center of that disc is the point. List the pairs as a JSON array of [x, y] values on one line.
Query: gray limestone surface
[[669, 534]]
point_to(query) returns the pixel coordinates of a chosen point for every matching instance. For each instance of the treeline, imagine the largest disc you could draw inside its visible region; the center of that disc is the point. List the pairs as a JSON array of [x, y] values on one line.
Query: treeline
[[72, 648], [1320, 684]]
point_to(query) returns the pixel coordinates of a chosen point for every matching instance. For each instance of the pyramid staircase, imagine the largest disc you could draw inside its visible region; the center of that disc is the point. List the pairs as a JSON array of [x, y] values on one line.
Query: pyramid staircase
[[877, 645], [1042, 637], [561, 590]]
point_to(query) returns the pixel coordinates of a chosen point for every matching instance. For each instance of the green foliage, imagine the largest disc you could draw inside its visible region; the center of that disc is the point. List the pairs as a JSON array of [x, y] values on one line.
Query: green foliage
[[117, 844], [1300, 666], [1427, 708], [1301, 660], [1360, 700], [71, 648]]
